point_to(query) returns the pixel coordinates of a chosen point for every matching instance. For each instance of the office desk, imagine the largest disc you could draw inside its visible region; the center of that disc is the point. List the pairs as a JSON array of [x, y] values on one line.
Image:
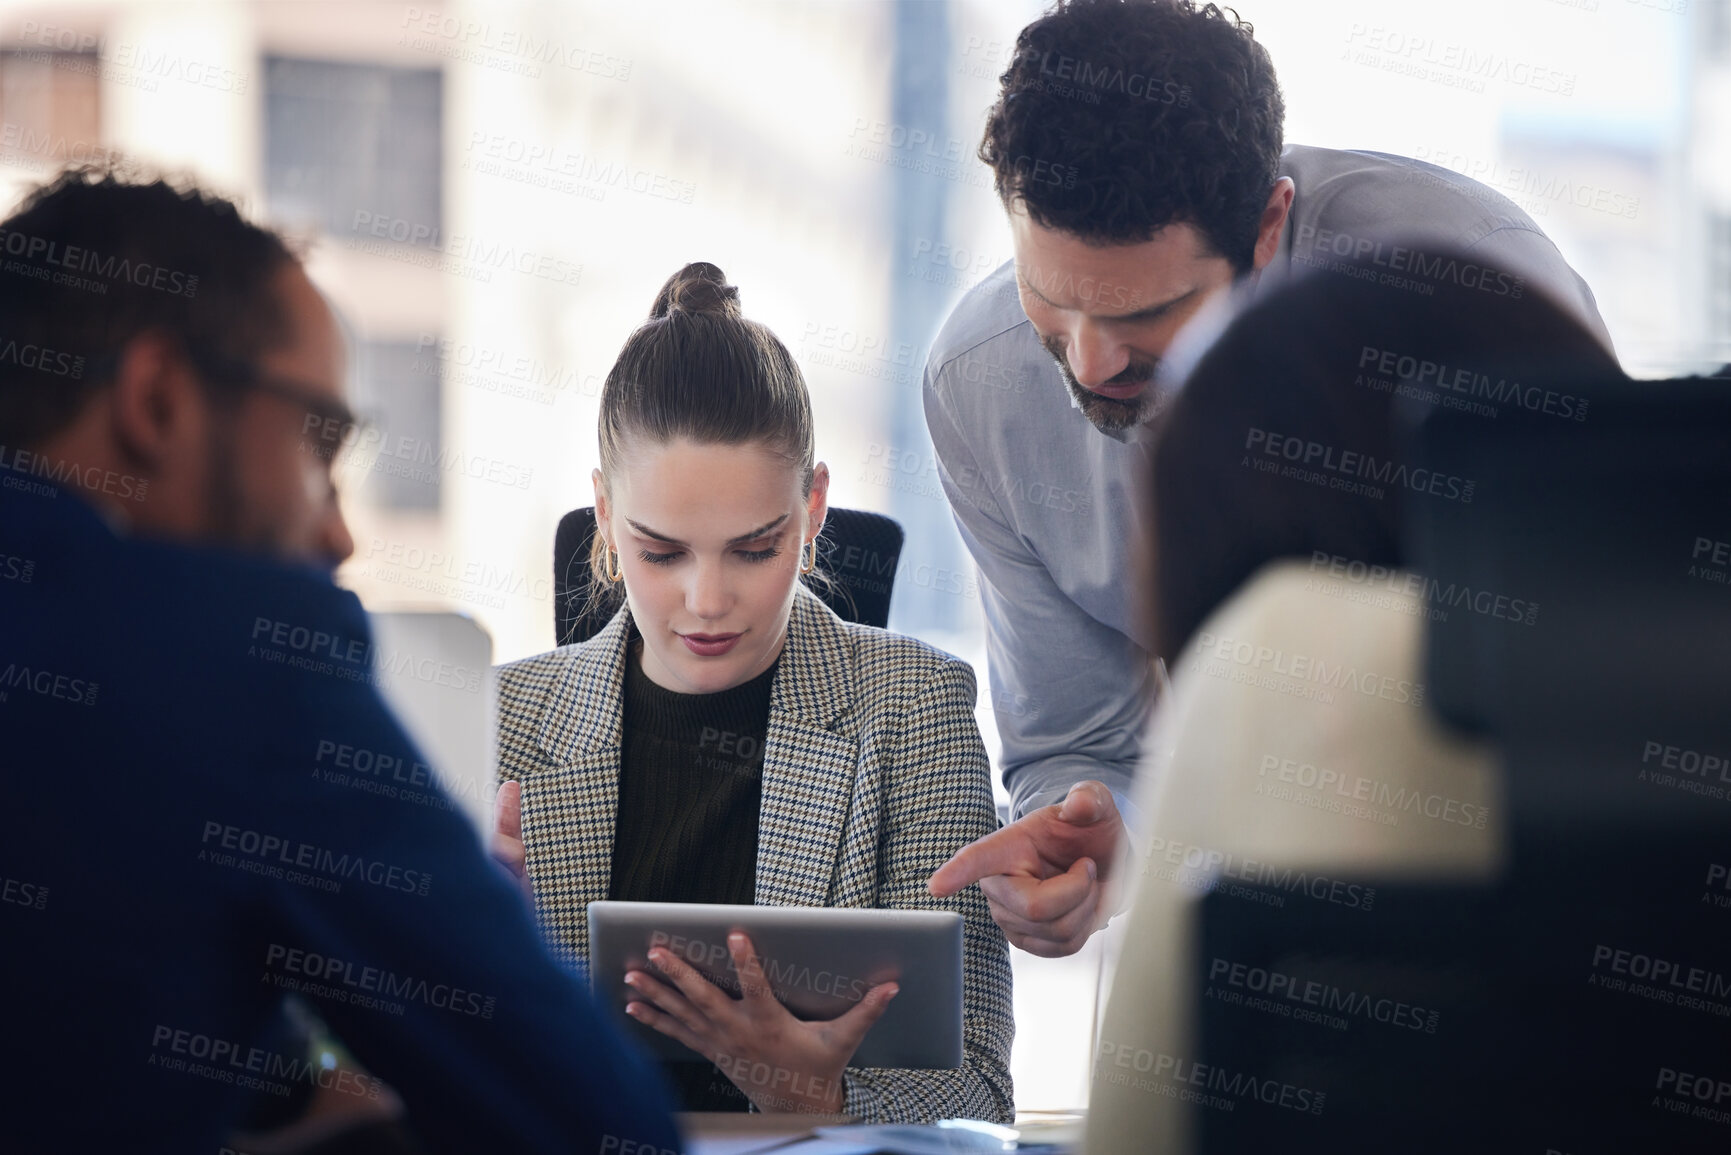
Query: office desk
[[735, 1133]]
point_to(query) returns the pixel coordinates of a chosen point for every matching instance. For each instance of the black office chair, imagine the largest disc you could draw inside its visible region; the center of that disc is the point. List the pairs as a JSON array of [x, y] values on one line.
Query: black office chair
[[857, 550], [1543, 1039]]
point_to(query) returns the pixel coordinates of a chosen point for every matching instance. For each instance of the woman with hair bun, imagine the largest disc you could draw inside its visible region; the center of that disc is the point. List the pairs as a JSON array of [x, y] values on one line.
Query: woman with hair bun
[[727, 739]]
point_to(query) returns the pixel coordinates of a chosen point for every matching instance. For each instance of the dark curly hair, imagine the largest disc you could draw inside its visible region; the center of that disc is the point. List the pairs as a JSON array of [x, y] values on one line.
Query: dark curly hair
[[1120, 117], [99, 256]]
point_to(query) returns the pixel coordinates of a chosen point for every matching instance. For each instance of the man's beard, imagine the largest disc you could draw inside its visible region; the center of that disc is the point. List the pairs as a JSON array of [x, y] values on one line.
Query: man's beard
[[1107, 413]]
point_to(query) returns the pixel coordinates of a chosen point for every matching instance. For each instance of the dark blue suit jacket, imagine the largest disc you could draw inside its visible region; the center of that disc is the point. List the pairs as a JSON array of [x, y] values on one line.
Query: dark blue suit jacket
[[172, 863]]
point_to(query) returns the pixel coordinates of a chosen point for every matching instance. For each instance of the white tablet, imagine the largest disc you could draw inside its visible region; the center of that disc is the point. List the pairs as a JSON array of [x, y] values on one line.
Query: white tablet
[[819, 961]]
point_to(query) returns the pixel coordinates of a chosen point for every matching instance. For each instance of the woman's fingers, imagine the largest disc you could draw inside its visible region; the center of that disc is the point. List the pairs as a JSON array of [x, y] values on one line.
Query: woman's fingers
[[510, 854], [668, 1001], [849, 1030], [753, 983], [508, 814], [704, 995], [756, 1026], [668, 1025], [506, 844]]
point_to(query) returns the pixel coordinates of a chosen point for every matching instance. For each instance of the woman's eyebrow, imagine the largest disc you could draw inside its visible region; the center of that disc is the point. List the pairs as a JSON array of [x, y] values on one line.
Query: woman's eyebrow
[[661, 537], [758, 532]]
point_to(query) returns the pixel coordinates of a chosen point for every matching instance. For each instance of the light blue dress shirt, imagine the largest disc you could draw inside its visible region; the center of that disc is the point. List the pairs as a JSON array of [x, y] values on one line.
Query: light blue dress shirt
[[1047, 503]]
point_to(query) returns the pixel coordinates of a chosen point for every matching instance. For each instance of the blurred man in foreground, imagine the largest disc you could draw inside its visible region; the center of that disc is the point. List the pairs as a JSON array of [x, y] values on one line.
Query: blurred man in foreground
[[179, 679]]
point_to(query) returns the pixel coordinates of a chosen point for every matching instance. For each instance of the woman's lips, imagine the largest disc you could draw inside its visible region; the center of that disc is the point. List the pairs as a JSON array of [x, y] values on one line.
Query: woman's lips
[[709, 645]]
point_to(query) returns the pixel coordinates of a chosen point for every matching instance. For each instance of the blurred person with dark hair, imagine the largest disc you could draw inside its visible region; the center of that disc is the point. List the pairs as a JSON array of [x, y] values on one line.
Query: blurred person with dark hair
[[1294, 740], [1137, 147], [173, 659]]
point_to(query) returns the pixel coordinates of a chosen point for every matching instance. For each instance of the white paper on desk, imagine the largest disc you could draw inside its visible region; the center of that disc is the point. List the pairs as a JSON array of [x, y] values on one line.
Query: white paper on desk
[[914, 1139], [754, 1145], [728, 1144], [759, 1145]]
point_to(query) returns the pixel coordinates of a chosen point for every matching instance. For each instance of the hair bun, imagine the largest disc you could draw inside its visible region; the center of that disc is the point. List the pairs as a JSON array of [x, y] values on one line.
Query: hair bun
[[699, 287]]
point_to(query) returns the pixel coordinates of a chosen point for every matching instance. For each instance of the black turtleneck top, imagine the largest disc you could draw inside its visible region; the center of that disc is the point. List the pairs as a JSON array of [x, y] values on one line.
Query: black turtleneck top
[[690, 781]]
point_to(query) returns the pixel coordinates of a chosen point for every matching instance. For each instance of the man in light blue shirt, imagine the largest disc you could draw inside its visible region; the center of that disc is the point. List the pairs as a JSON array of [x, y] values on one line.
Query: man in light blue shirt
[[1138, 151]]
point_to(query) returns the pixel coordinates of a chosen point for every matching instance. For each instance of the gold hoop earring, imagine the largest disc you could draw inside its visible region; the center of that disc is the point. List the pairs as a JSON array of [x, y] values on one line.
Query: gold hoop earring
[[611, 561], [804, 566]]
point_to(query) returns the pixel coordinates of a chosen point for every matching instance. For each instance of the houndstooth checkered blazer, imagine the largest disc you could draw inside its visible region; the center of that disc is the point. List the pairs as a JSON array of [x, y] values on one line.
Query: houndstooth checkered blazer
[[873, 775]]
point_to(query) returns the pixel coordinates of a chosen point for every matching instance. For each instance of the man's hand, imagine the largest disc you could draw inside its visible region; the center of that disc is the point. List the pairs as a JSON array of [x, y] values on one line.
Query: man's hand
[[1045, 874]]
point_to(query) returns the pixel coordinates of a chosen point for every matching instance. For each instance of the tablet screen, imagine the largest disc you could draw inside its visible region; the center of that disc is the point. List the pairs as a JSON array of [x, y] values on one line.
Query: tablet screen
[[819, 961]]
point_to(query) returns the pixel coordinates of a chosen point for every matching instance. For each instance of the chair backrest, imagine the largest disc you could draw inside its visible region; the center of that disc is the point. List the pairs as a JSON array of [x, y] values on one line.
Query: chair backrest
[[858, 551], [1581, 1001], [1618, 528]]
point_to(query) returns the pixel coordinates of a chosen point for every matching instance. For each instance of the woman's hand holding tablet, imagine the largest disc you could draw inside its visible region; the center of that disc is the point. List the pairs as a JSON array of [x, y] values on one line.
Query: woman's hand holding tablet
[[781, 1063]]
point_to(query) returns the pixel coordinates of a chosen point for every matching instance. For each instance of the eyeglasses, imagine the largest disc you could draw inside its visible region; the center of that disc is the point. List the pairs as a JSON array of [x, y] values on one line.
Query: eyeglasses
[[329, 420], [343, 442]]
